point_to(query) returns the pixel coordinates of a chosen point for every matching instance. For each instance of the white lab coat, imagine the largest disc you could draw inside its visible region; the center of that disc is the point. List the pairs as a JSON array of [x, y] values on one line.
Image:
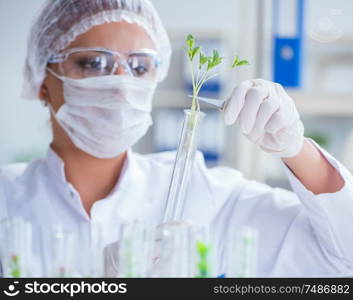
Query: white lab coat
[[300, 234]]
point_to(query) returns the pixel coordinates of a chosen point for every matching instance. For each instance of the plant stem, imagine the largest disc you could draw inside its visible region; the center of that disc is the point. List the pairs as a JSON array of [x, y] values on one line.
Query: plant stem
[[194, 99], [201, 81]]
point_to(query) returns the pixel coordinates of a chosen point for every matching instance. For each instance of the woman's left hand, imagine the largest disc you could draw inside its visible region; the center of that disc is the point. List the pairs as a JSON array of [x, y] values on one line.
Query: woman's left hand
[[267, 116]]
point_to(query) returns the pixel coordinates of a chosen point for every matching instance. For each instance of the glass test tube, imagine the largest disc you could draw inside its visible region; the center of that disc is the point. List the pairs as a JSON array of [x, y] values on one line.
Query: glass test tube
[[173, 256], [16, 254], [135, 250], [242, 253], [183, 165]]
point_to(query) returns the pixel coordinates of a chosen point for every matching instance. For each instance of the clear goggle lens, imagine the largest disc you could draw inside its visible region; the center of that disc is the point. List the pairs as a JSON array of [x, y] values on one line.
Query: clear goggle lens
[[88, 63]]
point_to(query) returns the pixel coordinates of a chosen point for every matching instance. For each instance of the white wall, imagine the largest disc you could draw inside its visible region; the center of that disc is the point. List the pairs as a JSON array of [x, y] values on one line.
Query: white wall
[[23, 128], [198, 14]]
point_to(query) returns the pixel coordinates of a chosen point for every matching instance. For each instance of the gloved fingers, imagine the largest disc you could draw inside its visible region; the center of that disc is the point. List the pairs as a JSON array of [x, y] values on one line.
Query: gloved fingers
[[286, 115], [267, 109], [279, 90], [276, 123], [236, 102], [288, 107], [253, 100]]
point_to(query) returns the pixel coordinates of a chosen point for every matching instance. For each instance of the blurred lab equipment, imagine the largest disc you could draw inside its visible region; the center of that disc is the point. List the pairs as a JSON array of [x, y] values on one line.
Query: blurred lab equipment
[[31, 250], [288, 42], [174, 249]]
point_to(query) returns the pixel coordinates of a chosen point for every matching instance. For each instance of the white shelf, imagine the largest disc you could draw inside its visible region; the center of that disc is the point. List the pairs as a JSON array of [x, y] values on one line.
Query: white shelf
[[334, 105], [308, 103]]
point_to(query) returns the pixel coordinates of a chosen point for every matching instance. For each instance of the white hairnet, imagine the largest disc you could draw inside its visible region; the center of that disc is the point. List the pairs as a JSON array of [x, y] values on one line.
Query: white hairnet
[[61, 21]]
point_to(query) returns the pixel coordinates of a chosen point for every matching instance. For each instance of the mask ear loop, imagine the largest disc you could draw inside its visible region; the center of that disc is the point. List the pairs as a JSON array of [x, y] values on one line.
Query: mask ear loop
[[54, 74], [43, 102], [46, 103]]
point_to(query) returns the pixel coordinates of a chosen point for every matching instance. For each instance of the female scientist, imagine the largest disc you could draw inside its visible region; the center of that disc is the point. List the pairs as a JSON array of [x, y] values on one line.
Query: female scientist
[[96, 65]]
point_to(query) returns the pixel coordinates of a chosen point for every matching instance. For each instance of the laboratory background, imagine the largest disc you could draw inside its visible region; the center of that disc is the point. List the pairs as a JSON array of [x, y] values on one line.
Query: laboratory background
[[308, 48]]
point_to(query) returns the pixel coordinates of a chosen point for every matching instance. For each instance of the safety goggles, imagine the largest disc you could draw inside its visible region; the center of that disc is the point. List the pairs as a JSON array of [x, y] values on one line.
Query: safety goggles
[[80, 63]]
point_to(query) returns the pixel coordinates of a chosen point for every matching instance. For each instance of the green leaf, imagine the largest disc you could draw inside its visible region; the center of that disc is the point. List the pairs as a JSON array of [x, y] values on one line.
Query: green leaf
[[202, 249], [214, 60], [210, 63], [203, 59], [194, 52], [218, 61], [243, 63], [238, 63], [190, 41]]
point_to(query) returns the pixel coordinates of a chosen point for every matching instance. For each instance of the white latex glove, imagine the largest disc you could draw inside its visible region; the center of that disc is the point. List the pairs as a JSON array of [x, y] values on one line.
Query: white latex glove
[[267, 116]]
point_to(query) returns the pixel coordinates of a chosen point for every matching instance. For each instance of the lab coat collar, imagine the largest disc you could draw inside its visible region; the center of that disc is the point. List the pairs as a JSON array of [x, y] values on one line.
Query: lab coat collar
[[55, 164], [57, 167]]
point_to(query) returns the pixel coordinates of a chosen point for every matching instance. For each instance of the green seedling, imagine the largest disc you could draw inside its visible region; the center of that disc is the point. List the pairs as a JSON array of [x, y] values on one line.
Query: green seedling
[[15, 270], [203, 267], [206, 66], [204, 72]]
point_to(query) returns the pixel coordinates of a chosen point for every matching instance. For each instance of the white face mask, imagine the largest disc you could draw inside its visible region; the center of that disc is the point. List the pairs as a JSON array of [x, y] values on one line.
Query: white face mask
[[105, 116]]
